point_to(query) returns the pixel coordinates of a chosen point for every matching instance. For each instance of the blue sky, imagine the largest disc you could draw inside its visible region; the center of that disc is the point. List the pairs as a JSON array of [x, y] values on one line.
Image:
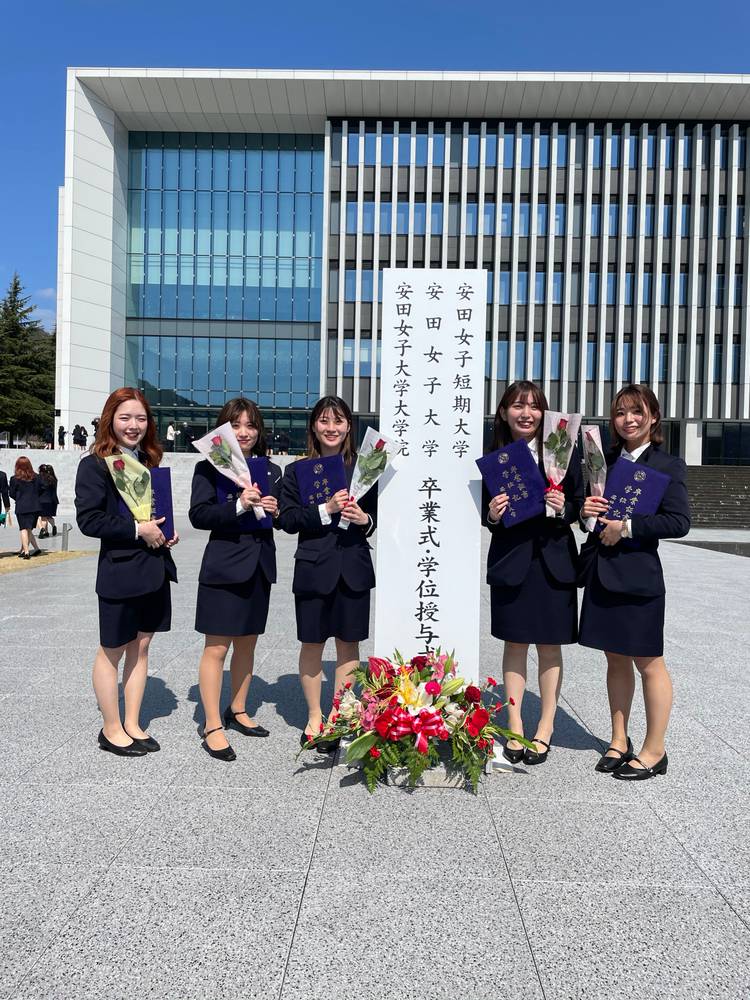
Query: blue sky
[[43, 37]]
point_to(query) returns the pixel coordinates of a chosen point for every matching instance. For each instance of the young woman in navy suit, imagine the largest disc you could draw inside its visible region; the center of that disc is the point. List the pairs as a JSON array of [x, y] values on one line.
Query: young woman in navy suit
[[333, 572], [622, 611], [234, 585], [134, 573], [531, 570], [24, 489]]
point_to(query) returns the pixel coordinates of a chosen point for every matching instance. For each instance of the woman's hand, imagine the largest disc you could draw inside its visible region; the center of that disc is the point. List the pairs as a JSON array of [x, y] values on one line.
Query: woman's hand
[[270, 505], [556, 500], [151, 533], [611, 533], [354, 513], [498, 506], [173, 541], [337, 502], [250, 497], [594, 506]]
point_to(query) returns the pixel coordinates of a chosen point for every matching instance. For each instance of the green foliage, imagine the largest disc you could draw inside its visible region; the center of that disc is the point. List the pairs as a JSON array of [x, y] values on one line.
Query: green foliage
[[222, 454], [371, 465], [594, 458], [560, 444], [27, 366]]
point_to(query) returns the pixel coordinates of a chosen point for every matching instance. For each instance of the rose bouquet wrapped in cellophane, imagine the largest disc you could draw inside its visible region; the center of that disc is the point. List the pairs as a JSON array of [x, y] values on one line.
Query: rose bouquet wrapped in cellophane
[[373, 458], [560, 433], [398, 712], [133, 482], [595, 465], [221, 447]]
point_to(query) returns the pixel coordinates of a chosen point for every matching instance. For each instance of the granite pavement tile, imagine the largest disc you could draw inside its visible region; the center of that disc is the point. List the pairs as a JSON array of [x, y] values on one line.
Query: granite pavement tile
[[712, 832], [631, 942], [184, 933], [343, 943], [593, 842], [35, 902]]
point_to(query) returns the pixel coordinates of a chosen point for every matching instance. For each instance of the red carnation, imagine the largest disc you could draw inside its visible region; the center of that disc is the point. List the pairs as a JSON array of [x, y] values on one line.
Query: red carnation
[[374, 752], [473, 694], [118, 465], [433, 688], [512, 701], [477, 721], [379, 444], [492, 682]]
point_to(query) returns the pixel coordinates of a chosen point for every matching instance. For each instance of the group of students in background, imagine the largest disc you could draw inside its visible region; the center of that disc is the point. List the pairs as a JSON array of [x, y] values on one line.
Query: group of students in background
[[36, 503], [534, 571]]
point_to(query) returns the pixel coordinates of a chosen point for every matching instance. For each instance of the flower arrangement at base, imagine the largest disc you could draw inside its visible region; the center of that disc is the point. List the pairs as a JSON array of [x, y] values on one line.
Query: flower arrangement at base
[[399, 713]]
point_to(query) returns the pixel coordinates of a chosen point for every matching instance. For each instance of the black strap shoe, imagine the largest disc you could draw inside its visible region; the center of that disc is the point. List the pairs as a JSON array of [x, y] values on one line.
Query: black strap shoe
[[608, 765], [226, 753], [230, 719], [629, 773], [533, 756], [131, 750], [513, 756]]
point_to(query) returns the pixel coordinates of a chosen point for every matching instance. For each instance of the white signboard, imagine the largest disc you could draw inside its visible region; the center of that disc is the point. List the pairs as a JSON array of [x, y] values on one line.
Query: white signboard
[[432, 403]]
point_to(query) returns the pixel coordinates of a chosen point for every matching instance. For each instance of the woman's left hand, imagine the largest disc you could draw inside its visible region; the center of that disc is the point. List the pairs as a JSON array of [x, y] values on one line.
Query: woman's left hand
[[172, 541], [611, 533], [270, 505], [354, 513], [556, 500]]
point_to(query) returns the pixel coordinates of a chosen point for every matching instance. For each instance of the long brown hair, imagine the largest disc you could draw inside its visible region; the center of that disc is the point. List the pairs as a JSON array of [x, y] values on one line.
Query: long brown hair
[[24, 469], [639, 397], [233, 409], [501, 429], [341, 409], [47, 475], [105, 442]]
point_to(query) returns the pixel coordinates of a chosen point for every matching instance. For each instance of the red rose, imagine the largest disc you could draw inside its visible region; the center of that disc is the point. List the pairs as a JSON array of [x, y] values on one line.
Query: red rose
[[562, 424], [118, 465], [216, 440], [419, 662], [477, 721], [492, 682], [379, 444], [374, 752], [433, 688], [473, 694]]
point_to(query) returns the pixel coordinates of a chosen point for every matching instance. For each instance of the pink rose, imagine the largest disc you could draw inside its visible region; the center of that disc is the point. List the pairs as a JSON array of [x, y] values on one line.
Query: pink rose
[[216, 440], [118, 465]]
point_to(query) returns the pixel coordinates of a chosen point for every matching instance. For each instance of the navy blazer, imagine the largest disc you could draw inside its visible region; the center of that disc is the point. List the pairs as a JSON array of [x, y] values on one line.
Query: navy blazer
[[127, 566], [233, 552], [512, 549], [48, 497], [26, 494], [324, 553], [632, 566], [4, 495]]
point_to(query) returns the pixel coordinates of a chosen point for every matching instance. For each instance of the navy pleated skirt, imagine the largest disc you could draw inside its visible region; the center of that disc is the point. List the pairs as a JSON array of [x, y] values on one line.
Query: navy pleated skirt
[[343, 614], [621, 623], [233, 608], [27, 521], [540, 610], [121, 621]]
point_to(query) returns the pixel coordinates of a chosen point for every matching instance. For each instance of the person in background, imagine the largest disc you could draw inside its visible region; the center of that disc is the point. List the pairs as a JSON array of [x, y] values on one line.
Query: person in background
[[49, 438], [48, 500], [171, 435], [24, 489], [4, 494], [76, 437], [61, 434], [83, 436]]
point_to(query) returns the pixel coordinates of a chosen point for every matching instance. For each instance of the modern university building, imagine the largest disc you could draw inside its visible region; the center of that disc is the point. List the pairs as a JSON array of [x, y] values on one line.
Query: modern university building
[[225, 231]]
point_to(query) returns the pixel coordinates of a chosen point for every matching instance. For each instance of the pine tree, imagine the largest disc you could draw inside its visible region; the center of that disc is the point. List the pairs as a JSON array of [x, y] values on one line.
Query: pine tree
[[27, 367]]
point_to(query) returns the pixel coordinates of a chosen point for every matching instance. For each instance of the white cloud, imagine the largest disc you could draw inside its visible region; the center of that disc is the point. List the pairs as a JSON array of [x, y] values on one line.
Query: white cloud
[[45, 293], [47, 317]]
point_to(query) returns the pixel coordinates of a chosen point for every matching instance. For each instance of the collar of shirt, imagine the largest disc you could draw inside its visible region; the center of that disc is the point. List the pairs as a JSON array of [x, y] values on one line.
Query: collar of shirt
[[534, 447], [633, 456], [130, 451]]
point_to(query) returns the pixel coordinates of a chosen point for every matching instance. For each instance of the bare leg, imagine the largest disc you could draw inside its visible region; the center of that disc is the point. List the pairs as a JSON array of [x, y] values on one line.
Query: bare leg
[[241, 668], [209, 681], [657, 695], [311, 679], [347, 661], [108, 695], [620, 689], [514, 681], [134, 676], [24, 539], [550, 681]]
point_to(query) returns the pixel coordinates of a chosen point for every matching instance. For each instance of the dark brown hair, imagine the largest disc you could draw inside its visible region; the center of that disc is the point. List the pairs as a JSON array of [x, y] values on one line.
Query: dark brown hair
[[231, 412], [105, 442], [639, 397], [47, 475], [501, 429], [24, 469], [341, 409]]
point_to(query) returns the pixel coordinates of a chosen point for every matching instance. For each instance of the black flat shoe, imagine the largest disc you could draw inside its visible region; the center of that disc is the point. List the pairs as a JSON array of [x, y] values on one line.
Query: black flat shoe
[[26, 555], [149, 744], [328, 746], [629, 773], [513, 756], [131, 750], [230, 719], [532, 756], [607, 765], [43, 534], [226, 753], [54, 532], [304, 739]]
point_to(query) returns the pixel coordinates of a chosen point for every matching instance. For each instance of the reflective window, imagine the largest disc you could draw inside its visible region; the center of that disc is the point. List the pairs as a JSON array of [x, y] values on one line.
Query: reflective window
[[385, 218], [596, 218], [627, 360], [386, 149], [523, 218], [593, 288], [522, 287], [633, 150], [609, 360], [665, 287], [614, 150], [351, 217], [370, 148], [738, 288], [489, 218], [685, 222], [590, 360], [649, 219], [541, 218], [719, 289], [539, 288], [472, 152], [651, 150], [509, 142], [740, 219], [368, 217], [557, 288], [628, 296], [683, 290], [526, 145], [402, 218], [687, 150], [554, 359], [611, 288], [562, 149], [490, 150], [666, 219], [560, 218], [471, 218], [596, 151], [420, 218], [436, 218], [614, 218], [505, 287], [454, 209], [668, 151], [544, 150], [438, 149], [721, 221], [404, 145], [647, 288], [456, 148], [506, 227], [421, 149]]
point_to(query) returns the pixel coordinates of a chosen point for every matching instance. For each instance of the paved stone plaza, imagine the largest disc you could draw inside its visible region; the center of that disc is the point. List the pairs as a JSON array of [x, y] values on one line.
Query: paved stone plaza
[[176, 876]]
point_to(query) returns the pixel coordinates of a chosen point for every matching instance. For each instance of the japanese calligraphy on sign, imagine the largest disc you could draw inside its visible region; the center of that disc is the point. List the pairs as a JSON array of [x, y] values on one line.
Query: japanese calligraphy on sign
[[432, 404]]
